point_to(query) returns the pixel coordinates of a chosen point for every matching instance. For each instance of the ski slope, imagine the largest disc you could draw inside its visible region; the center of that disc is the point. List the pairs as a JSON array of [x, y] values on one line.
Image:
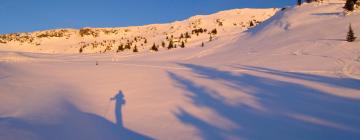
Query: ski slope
[[291, 77]]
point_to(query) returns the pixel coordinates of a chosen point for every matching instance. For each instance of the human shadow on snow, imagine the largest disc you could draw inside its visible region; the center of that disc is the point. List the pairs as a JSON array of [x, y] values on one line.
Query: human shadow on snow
[[73, 124], [292, 110]]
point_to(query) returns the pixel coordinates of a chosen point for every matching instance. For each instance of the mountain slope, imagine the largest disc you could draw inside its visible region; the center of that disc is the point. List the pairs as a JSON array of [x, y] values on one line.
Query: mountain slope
[[291, 77], [192, 32]]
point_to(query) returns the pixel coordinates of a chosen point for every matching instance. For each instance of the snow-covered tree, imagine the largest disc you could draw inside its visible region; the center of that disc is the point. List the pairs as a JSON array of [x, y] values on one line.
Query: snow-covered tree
[[351, 35]]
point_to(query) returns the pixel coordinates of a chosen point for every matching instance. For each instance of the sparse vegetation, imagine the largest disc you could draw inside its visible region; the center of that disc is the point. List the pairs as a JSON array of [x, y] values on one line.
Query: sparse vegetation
[[219, 22], [53, 33], [18, 37], [86, 31], [198, 31]]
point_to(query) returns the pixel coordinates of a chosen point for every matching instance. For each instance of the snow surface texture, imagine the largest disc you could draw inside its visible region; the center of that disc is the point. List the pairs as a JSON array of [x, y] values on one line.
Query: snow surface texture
[[291, 77]]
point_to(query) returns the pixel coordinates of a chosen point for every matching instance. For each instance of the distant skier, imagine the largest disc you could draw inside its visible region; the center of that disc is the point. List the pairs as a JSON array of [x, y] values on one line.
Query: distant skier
[[120, 101]]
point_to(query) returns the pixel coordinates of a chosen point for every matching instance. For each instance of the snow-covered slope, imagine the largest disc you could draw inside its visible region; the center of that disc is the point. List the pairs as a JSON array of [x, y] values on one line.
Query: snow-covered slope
[[291, 77], [192, 31]]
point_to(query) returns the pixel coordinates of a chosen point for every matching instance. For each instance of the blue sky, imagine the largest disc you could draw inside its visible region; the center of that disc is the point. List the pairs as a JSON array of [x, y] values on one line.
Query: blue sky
[[31, 15]]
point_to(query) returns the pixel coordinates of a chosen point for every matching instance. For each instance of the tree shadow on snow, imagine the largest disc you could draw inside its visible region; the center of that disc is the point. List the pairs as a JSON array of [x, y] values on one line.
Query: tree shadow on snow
[[330, 81], [333, 39], [73, 124], [328, 14], [292, 110]]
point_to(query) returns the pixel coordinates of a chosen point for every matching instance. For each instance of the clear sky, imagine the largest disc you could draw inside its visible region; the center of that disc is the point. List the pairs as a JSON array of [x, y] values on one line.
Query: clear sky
[[31, 15]]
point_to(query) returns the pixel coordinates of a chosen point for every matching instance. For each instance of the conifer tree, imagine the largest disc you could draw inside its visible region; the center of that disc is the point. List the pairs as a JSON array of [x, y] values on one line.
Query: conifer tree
[[182, 44], [350, 35], [214, 31], [154, 48], [163, 44], [171, 44], [80, 50], [350, 5], [202, 44], [252, 23], [299, 2], [120, 48], [187, 35], [135, 49]]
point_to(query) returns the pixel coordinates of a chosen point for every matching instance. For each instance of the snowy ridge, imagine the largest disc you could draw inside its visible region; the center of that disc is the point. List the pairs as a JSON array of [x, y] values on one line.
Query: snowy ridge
[[192, 31]]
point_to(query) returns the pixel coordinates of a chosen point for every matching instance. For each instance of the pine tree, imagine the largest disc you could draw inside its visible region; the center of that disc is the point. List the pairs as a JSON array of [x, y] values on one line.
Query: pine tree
[[214, 31], [299, 2], [182, 44], [154, 48], [80, 50], [128, 46], [351, 35], [252, 23], [163, 44], [350, 5], [120, 48], [202, 44], [135, 49], [187, 35], [171, 44]]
